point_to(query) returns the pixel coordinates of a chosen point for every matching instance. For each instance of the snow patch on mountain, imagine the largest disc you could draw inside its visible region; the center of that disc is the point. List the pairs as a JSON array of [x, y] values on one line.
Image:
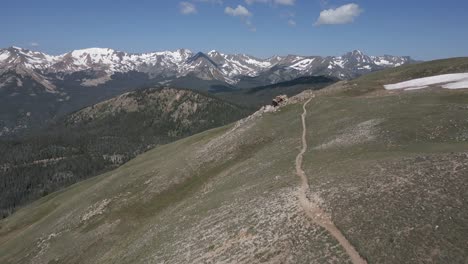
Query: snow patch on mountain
[[4, 55], [461, 84], [339, 62], [302, 64], [448, 81], [261, 64]]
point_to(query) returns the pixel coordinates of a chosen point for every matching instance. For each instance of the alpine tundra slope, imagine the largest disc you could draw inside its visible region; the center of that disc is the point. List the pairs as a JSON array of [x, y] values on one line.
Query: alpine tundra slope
[[387, 167]]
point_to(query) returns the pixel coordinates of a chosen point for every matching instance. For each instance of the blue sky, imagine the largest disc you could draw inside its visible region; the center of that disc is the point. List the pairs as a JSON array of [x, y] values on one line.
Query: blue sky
[[426, 30]]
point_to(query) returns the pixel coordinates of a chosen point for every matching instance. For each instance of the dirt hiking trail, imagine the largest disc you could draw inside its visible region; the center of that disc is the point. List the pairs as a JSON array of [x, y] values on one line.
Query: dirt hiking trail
[[312, 209]]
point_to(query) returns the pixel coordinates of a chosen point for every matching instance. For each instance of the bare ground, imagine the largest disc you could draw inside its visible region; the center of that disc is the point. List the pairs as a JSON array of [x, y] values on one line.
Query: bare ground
[[312, 208]]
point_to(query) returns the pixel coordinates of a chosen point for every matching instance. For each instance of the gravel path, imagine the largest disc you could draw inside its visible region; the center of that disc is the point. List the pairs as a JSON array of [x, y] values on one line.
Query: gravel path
[[312, 209]]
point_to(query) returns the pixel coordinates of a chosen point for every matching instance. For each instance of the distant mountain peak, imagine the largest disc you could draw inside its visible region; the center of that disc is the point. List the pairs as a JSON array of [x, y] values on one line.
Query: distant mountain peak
[[170, 65], [213, 52], [15, 48], [200, 55]]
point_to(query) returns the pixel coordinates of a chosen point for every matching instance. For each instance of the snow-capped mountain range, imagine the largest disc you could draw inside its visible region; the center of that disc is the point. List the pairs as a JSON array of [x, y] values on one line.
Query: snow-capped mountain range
[[166, 66], [36, 87]]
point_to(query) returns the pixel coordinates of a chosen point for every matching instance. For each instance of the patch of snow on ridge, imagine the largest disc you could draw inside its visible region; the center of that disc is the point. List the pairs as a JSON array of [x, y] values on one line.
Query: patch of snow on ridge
[[302, 64], [5, 55], [93, 52], [448, 81], [340, 62], [263, 64], [382, 62], [462, 84]]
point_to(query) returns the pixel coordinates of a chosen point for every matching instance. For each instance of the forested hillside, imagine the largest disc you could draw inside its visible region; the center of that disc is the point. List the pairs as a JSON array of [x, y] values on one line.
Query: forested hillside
[[101, 137]]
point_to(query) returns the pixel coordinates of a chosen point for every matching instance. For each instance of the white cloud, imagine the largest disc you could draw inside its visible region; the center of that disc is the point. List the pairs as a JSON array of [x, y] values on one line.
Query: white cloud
[[277, 2], [239, 11], [292, 22], [244, 14], [34, 44], [342, 15], [187, 8]]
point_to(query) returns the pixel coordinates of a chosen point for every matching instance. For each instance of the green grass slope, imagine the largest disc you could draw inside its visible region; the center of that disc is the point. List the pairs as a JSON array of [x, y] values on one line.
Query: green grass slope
[[103, 136], [390, 168]]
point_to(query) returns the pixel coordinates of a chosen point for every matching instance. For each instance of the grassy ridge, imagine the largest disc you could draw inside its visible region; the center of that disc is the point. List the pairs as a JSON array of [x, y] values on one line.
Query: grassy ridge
[[389, 167]]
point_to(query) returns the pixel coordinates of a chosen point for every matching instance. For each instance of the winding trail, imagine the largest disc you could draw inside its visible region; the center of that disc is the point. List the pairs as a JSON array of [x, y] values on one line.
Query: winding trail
[[312, 209]]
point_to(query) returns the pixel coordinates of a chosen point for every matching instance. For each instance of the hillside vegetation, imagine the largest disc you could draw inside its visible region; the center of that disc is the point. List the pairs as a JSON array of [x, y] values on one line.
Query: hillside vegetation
[[387, 169], [101, 137]]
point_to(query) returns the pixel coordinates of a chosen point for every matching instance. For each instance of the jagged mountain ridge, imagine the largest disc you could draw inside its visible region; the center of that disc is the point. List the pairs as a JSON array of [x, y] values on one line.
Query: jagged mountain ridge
[[169, 65]]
